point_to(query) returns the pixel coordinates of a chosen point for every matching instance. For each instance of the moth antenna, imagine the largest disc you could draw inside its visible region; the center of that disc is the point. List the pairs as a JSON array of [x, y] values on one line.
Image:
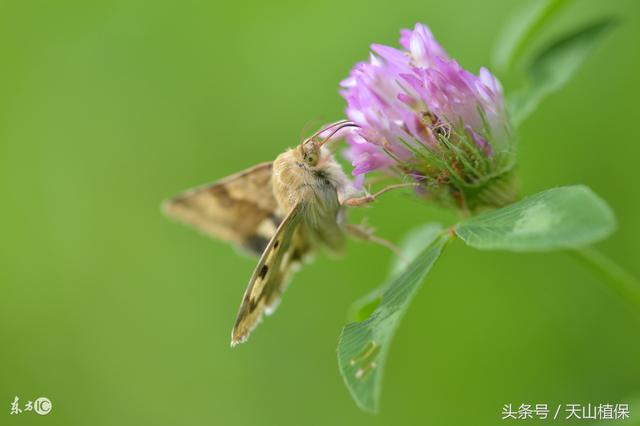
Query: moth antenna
[[337, 126], [310, 148], [336, 129], [307, 127], [324, 129]]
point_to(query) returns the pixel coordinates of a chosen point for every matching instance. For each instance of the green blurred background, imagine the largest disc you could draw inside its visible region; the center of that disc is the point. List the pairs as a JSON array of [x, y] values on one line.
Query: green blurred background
[[120, 316]]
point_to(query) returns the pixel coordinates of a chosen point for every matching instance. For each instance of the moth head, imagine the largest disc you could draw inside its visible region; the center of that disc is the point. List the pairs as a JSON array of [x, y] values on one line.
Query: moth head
[[310, 151], [310, 148]]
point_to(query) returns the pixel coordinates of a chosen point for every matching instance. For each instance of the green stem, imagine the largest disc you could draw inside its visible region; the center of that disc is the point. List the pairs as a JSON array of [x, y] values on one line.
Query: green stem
[[621, 281]]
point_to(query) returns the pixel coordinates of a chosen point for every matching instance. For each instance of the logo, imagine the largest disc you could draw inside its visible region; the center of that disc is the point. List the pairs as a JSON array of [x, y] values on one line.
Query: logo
[[42, 406]]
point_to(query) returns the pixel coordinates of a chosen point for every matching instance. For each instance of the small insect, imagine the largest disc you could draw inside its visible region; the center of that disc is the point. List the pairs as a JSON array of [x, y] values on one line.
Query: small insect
[[281, 210]]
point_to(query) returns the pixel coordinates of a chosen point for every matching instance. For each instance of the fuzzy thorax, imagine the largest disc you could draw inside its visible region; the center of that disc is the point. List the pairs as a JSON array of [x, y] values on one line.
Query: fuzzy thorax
[[309, 174]]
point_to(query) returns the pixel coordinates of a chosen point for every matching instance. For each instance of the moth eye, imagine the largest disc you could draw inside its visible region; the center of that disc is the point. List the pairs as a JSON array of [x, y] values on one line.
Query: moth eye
[[311, 158], [276, 244]]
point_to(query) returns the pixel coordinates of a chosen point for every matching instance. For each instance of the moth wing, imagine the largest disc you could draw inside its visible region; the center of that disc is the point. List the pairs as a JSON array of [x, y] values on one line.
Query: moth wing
[[240, 209], [269, 279]]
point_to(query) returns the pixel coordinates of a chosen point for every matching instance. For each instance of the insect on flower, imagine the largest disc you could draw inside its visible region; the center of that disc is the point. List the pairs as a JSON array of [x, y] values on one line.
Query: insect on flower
[[425, 119], [281, 210]]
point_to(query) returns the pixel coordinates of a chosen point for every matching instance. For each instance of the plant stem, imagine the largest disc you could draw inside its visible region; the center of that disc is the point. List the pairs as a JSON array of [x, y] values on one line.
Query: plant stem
[[621, 281]]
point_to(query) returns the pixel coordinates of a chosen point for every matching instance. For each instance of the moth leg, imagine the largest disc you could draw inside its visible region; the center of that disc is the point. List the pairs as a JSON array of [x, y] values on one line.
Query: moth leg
[[365, 233], [369, 198]]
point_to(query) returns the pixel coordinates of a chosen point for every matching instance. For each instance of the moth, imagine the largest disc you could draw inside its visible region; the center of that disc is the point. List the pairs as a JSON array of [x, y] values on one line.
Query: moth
[[283, 211]]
